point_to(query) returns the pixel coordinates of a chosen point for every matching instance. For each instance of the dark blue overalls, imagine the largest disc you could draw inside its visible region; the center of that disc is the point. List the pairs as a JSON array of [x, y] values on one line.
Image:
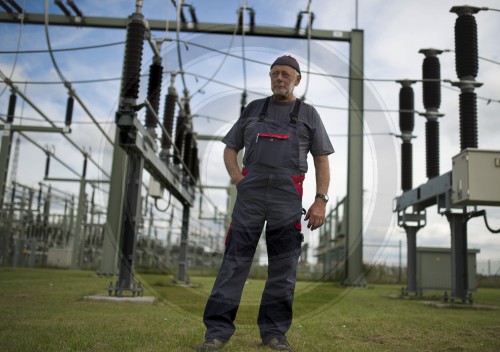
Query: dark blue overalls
[[270, 191]]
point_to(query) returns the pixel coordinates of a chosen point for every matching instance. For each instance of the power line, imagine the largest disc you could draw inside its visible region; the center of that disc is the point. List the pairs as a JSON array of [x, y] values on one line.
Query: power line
[[34, 119], [44, 51], [47, 119], [211, 79], [83, 81], [225, 56], [242, 57], [19, 38], [178, 6], [236, 87], [243, 14], [47, 37], [72, 93], [46, 151]]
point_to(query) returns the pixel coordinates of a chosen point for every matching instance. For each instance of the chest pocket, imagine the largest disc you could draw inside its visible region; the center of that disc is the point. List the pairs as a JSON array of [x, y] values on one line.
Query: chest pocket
[[275, 144], [273, 149]]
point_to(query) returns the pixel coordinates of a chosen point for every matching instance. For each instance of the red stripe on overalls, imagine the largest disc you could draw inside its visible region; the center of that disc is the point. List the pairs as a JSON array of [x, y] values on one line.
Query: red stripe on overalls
[[298, 181], [226, 241], [274, 135]]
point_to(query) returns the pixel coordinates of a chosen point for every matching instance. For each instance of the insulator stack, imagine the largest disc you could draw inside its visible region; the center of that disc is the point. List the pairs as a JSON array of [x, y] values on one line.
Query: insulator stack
[[193, 14], [406, 166], [194, 167], [187, 107], [180, 132], [243, 101], [466, 64], [240, 17], [69, 111], [84, 171], [133, 57], [431, 74], [251, 13], [39, 199], [406, 125], [432, 148], [431, 91], [168, 117], [252, 19], [14, 4], [47, 165], [13, 194], [406, 108], [466, 54], [299, 20], [11, 110], [154, 90], [468, 124], [183, 17], [75, 8], [188, 145]]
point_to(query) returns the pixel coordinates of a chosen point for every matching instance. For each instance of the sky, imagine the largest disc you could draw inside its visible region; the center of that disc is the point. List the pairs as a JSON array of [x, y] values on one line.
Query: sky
[[394, 32]]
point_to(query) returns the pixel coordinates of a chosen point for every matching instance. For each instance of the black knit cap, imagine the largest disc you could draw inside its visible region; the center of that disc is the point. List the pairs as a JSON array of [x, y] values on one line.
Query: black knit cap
[[287, 60]]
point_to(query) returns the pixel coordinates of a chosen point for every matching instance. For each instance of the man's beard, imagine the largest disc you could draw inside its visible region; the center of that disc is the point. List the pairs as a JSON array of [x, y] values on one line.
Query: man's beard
[[281, 93]]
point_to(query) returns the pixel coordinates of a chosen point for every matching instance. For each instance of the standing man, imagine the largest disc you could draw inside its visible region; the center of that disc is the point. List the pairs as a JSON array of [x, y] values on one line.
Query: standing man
[[277, 133]]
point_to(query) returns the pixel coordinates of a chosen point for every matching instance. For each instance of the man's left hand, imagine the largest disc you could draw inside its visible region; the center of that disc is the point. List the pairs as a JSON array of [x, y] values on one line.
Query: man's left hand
[[316, 215]]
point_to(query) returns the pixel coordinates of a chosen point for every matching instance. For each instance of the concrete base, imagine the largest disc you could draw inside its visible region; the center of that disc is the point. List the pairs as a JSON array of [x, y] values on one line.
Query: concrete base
[[124, 299], [460, 305]]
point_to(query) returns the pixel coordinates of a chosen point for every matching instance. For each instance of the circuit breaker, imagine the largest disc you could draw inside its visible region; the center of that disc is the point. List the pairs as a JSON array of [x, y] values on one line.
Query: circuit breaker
[[476, 177]]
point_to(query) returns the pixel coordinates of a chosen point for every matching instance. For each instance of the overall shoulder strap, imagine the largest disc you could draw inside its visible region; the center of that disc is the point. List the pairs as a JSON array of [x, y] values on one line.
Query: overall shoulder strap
[[263, 112], [294, 115]]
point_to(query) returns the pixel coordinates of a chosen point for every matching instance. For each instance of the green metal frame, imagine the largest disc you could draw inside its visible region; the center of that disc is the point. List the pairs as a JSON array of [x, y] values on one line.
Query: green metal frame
[[354, 273]]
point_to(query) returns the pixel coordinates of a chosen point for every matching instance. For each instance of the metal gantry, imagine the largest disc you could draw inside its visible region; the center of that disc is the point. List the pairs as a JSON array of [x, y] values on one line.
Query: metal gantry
[[136, 149]]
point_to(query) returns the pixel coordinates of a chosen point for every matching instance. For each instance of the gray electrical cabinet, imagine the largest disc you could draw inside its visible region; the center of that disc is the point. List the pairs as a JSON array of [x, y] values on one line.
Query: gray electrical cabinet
[[434, 269], [476, 177]]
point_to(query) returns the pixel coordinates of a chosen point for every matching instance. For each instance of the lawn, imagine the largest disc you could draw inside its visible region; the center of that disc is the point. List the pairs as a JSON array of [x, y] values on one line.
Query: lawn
[[45, 310]]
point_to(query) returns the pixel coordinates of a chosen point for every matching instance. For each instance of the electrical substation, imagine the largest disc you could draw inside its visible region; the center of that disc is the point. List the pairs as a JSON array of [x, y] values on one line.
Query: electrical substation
[[44, 226]]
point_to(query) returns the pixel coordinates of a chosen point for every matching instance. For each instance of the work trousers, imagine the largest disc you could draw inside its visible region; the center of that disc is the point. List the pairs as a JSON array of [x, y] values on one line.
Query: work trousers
[[277, 200]]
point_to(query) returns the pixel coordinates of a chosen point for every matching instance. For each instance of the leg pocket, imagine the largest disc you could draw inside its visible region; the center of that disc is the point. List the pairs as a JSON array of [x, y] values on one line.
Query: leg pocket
[[298, 182]]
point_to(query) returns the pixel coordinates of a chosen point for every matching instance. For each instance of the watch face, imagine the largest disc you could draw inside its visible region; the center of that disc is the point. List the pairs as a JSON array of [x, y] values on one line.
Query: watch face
[[323, 197]]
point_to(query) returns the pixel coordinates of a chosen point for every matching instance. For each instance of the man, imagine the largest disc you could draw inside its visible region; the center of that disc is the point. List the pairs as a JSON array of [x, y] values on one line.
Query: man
[[277, 133]]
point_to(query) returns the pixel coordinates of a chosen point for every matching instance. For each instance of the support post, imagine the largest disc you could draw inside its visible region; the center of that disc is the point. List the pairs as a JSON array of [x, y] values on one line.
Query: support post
[[5, 147], [77, 238], [411, 258], [131, 212], [113, 226], [6, 142], [354, 245], [181, 276], [459, 266]]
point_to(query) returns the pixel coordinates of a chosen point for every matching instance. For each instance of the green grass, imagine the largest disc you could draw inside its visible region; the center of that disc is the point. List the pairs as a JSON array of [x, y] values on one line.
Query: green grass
[[45, 310]]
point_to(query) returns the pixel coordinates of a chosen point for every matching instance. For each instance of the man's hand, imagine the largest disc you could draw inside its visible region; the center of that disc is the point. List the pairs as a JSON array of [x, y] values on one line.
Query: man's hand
[[237, 178], [231, 162], [316, 214]]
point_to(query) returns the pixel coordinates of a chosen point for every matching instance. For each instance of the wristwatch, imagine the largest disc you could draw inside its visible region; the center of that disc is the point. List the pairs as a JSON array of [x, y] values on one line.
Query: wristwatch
[[323, 197]]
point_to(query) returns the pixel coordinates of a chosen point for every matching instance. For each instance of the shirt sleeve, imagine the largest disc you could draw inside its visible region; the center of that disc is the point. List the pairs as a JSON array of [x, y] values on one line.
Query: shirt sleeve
[[235, 138], [320, 142]]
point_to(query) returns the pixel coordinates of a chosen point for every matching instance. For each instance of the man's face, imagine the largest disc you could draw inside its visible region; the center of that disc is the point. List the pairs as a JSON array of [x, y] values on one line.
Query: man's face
[[283, 80]]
